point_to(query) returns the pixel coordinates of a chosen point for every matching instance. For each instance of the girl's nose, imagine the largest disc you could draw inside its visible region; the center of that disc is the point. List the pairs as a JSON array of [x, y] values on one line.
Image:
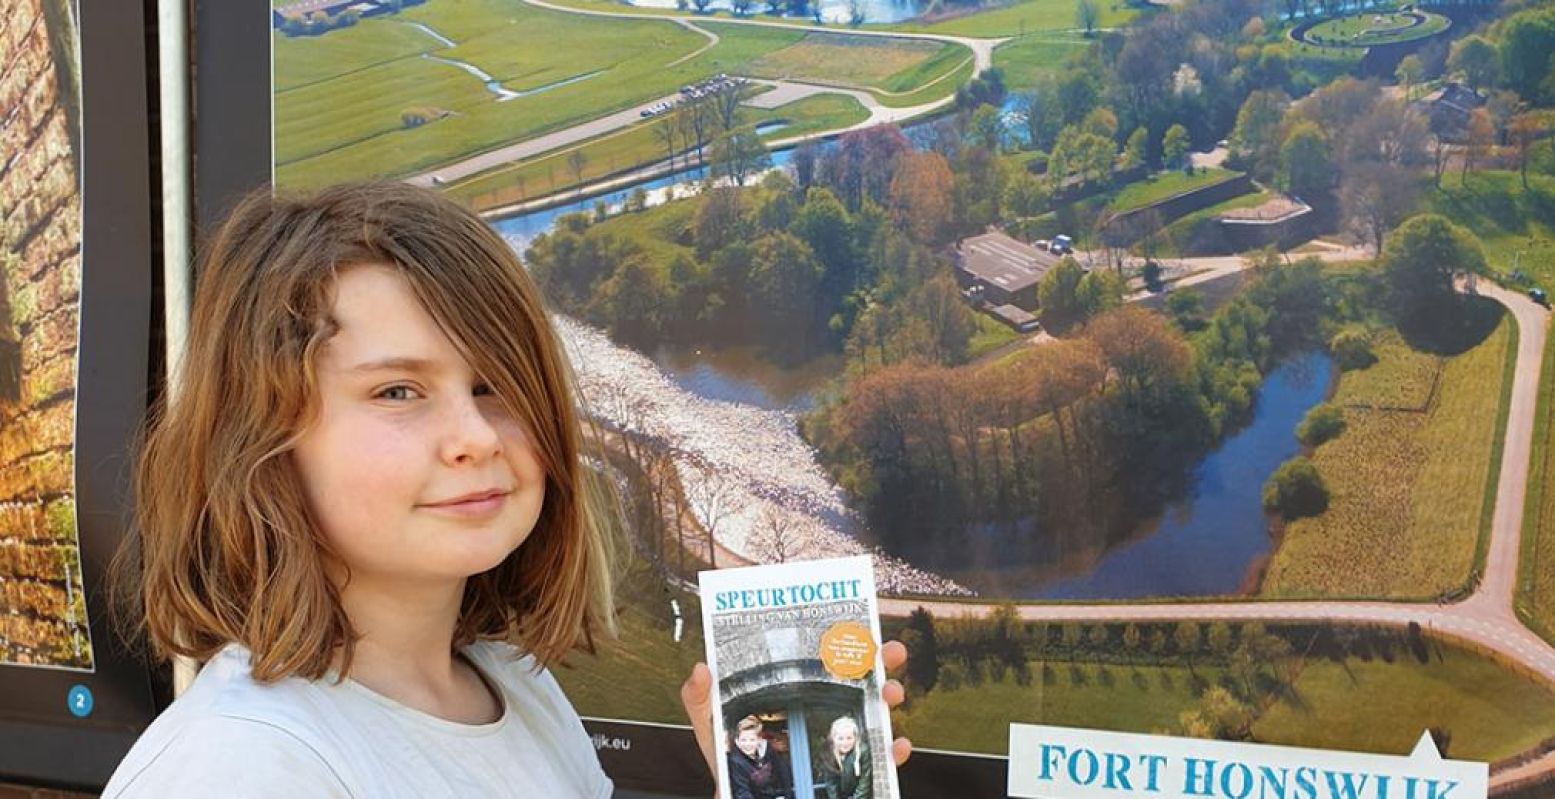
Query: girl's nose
[[470, 435]]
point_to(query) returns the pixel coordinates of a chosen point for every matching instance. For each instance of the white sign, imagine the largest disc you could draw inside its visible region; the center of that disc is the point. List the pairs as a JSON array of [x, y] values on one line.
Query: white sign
[[1065, 763]]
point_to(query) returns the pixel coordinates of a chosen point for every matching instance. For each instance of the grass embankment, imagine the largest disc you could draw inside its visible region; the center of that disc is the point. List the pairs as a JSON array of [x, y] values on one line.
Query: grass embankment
[[1021, 17], [349, 126], [1411, 476], [1535, 601], [1490, 712], [1162, 185], [1507, 218], [1027, 59], [301, 60], [638, 146]]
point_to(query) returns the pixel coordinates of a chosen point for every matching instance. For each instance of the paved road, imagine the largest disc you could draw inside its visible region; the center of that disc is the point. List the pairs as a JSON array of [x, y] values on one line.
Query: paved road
[[1486, 619]]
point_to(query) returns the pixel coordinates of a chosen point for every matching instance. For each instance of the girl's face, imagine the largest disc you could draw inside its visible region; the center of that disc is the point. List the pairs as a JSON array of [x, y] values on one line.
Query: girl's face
[[845, 739], [747, 741], [413, 468]]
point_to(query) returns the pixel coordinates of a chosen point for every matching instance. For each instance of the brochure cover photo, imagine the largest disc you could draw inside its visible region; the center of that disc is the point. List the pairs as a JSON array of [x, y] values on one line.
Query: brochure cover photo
[[795, 655]]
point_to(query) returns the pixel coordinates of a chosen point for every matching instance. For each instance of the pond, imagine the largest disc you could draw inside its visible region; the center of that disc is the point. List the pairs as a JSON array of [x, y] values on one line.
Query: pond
[[1204, 544]]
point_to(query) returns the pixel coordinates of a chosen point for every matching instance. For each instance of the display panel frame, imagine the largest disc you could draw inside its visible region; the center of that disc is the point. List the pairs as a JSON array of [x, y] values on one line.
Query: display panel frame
[[41, 740]]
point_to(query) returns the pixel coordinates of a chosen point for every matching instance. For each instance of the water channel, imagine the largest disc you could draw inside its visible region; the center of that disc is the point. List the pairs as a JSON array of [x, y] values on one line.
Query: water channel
[[731, 419]]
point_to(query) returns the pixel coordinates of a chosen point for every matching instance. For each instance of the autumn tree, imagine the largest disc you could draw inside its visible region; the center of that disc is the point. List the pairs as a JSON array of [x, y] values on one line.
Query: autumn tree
[[921, 194], [1481, 138], [1525, 131], [1409, 73]]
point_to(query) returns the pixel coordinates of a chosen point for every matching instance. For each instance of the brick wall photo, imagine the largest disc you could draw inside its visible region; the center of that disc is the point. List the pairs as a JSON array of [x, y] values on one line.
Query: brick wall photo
[[42, 609]]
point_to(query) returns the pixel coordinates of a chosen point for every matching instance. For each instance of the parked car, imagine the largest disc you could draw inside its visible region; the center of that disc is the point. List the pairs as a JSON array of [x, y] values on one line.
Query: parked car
[[1539, 296], [1061, 245]]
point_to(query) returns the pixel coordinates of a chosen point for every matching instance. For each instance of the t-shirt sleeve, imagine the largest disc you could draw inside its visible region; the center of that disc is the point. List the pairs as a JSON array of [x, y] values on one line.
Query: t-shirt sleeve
[[572, 737], [232, 758]]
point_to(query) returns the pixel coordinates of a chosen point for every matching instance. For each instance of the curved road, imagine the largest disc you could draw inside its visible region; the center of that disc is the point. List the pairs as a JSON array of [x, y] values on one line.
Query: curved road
[[1485, 619]]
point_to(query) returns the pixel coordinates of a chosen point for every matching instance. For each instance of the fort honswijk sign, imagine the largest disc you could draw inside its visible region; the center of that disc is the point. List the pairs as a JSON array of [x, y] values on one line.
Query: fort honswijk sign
[[1064, 763]]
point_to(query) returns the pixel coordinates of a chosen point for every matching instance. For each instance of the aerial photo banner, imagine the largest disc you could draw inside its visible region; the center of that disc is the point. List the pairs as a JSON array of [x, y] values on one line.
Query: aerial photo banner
[[1029, 301]]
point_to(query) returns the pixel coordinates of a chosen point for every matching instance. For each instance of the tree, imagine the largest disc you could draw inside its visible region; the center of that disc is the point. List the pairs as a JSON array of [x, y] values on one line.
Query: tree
[[1295, 490], [1306, 169], [987, 127], [1420, 260], [1134, 152], [1174, 148], [667, 131], [924, 669], [1101, 291], [775, 537], [1481, 137], [1477, 59], [1322, 424], [1086, 15], [1186, 638], [1375, 198], [576, 161], [1059, 293], [738, 154], [1409, 73], [1256, 137], [785, 277], [1528, 50], [1102, 122], [1524, 132]]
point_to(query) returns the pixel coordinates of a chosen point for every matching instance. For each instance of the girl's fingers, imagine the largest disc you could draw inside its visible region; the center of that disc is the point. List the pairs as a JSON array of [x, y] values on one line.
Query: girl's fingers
[[894, 653], [901, 749], [894, 693]]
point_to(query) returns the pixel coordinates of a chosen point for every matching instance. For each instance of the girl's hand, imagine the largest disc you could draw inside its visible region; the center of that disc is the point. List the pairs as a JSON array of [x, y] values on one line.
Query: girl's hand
[[697, 695]]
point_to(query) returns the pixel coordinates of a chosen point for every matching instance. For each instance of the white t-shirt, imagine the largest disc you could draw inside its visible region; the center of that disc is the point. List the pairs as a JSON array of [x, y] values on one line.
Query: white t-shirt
[[231, 737]]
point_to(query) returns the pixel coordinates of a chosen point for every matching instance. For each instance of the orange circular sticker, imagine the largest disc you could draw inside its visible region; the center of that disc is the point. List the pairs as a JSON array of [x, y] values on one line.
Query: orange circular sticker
[[848, 650]]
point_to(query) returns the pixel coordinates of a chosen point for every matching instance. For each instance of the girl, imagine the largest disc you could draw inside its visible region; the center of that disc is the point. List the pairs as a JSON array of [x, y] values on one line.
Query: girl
[[847, 771], [365, 510]]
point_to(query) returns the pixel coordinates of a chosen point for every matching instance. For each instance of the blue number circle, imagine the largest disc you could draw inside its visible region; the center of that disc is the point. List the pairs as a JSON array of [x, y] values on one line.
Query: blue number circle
[[80, 701]]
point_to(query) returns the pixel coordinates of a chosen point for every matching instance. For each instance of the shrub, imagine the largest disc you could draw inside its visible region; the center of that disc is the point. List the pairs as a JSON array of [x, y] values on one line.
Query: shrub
[[1352, 349], [1295, 490], [952, 676], [1322, 424]]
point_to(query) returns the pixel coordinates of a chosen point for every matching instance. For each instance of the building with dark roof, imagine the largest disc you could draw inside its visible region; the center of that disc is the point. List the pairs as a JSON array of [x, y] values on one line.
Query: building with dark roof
[[1006, 269]]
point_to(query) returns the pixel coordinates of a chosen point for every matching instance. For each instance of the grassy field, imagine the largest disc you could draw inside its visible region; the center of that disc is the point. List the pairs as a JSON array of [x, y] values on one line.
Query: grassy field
[[1408, 488], [1162, 185], [1173, 237], [1019, 17], [1507, 218], [1096, 696], [638, 146], [349, 126], [300, 60], [1491, 713], [991, 334], [863, 61], [1027, 59], [1536, 567]]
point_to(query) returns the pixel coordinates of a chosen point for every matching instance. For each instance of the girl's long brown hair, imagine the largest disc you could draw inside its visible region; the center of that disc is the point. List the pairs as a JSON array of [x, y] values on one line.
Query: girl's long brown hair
[[229, 550]]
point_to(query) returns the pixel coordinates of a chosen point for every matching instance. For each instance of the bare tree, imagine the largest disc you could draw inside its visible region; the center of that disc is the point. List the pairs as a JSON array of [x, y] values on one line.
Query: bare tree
[[715, 497], [576, 162], [775, 537], [668, 133], [1375, 198], [726, 100]]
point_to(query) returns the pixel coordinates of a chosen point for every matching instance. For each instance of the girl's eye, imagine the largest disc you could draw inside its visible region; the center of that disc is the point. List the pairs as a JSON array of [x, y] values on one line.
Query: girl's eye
[[395, 393], [483, 390]]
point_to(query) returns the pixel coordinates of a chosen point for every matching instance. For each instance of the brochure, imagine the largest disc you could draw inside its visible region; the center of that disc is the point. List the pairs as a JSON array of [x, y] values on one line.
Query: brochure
[[795, 653]]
